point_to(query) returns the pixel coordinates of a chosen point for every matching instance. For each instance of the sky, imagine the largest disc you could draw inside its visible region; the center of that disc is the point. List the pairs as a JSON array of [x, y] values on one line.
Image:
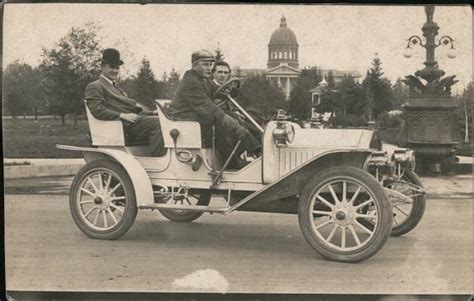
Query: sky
[[338, 37]]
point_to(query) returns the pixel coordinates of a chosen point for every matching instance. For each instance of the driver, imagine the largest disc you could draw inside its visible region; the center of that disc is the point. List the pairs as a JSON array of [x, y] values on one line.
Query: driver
[[221, 74], [193, 101]]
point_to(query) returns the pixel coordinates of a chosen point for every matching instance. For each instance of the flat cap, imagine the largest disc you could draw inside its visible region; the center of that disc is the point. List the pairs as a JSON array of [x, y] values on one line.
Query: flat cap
[[202, 55]]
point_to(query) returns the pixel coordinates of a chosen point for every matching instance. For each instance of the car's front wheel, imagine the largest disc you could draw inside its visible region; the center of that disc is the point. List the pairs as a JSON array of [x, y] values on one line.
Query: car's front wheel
[[407, 215], [335, 207]]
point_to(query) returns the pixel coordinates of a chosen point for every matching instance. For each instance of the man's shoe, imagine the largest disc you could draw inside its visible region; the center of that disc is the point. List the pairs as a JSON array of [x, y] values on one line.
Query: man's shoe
[[257, 152]]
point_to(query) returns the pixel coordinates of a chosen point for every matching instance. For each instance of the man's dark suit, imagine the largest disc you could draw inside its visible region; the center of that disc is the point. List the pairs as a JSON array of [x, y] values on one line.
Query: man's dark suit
[[107, 102], [193, 101]]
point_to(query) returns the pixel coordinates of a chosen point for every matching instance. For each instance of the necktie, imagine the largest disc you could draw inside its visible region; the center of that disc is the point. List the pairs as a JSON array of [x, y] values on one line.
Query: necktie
[[114, 83]]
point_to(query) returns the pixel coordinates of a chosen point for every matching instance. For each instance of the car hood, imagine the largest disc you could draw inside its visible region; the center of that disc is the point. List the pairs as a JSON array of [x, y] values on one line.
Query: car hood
[[332, 138]]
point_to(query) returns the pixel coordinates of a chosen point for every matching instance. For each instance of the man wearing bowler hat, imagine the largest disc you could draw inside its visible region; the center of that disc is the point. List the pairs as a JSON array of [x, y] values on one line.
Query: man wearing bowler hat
[[193, 101], [107, 101]]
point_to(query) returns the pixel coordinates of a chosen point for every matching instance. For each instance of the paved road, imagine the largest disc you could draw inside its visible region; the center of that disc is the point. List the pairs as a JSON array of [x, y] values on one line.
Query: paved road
[[239, 253]]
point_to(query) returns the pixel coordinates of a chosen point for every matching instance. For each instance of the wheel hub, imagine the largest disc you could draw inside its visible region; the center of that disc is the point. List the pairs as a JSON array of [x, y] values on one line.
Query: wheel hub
[[340, 215], [102, 201], [343, 214]]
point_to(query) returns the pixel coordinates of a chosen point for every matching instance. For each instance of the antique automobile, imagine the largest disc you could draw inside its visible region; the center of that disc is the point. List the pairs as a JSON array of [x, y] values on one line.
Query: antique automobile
[[349, 197]]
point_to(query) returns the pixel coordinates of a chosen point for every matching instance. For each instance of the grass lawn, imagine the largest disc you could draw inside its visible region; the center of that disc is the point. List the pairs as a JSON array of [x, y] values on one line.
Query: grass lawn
[[27, 138]]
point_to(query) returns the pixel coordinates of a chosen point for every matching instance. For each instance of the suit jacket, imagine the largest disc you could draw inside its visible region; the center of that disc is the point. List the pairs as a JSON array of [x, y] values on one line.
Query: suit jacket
[[106, 101], [192, 100]]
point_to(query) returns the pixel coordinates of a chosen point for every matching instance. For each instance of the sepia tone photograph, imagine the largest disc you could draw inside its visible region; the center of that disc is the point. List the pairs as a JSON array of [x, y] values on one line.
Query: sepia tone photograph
[[237, 149]]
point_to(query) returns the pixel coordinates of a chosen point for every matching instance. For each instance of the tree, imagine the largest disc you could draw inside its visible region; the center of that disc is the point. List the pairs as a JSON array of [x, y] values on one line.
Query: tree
[[299, 104], [23, 93], [145, 85], [168, 84], [346, 103], [378, 88], [401, 93], [464, 113], [331, 81], [219, 55], [69, 67], [258, 93]]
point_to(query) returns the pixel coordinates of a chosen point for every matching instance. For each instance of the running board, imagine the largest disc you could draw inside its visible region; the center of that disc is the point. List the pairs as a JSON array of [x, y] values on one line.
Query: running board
[[186, 208]]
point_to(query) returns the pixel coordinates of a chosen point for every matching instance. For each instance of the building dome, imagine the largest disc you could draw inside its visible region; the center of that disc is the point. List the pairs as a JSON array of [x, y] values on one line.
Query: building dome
[[283, 47], [283, 36]]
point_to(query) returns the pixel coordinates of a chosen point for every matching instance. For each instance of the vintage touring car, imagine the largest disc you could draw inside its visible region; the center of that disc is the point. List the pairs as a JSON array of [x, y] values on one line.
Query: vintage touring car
[[348, 196]]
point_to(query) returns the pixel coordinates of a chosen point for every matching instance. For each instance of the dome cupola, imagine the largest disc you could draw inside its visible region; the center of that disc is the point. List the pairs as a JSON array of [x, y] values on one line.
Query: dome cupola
[[283, 47], [283, 36]]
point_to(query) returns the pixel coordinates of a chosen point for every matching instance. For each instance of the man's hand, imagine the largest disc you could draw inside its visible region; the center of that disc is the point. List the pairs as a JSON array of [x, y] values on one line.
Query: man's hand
[[130, 117], [145, 111]]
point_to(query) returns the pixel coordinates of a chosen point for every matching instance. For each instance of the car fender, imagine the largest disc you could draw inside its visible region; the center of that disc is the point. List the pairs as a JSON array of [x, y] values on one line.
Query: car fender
[[290, 185], [138, 175]]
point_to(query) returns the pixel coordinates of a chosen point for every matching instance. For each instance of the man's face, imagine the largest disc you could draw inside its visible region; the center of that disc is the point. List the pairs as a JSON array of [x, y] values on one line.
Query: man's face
[[111, 71], [221, 74], [203, 68]]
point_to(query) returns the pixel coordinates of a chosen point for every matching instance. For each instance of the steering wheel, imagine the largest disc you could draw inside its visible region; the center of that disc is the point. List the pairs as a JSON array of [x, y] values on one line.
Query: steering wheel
[[224, 89]]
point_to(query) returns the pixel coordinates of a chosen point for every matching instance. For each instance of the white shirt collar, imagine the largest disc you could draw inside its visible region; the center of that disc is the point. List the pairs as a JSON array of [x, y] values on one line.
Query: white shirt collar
[[105, 77]]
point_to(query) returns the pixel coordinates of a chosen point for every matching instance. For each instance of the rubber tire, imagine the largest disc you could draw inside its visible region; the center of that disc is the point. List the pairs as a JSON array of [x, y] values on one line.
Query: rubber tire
[[418, 208], [187, 217], [131, 209], [385, 218]]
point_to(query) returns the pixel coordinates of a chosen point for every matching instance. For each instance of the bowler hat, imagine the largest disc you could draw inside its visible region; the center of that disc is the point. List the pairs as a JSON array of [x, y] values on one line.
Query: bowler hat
[[202, 55], [111, 56]]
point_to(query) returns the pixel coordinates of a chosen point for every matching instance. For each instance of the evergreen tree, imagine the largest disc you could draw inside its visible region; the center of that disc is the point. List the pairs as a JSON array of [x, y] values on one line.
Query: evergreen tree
[[168, 84], [145, 85], [330, 80], [219, 55], [379, 88]]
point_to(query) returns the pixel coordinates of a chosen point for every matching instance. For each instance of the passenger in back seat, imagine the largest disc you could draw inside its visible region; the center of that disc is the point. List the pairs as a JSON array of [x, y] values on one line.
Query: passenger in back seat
[[107, 101]]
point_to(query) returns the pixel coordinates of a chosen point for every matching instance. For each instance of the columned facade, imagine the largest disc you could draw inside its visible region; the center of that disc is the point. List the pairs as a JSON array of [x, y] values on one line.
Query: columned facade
[[283, 66]]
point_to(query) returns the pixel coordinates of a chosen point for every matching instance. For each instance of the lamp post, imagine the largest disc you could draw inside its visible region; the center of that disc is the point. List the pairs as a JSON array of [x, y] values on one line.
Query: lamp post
[[429, 126]]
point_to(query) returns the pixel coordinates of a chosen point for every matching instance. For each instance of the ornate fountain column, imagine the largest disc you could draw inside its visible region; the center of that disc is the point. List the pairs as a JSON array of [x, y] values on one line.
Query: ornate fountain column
[[429, 127]]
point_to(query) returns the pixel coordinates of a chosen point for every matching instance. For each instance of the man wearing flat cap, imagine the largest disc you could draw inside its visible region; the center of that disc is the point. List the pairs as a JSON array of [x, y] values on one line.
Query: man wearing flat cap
[[107, 101], [193, 101]]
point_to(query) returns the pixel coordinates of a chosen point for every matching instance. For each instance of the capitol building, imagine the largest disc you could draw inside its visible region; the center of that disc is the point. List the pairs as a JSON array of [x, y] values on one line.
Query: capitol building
[[283, 65]]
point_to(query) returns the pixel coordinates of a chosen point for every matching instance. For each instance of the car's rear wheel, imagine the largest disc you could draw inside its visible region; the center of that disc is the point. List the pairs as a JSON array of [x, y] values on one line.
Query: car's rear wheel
[[102, 200], [199, 198], [333, 210]]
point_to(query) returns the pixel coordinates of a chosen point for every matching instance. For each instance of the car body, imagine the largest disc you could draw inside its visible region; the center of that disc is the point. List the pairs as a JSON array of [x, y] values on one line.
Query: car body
[[344, 191]]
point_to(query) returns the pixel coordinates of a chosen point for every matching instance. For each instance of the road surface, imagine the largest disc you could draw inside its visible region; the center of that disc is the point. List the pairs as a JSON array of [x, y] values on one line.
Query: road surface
[[239, 253]]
